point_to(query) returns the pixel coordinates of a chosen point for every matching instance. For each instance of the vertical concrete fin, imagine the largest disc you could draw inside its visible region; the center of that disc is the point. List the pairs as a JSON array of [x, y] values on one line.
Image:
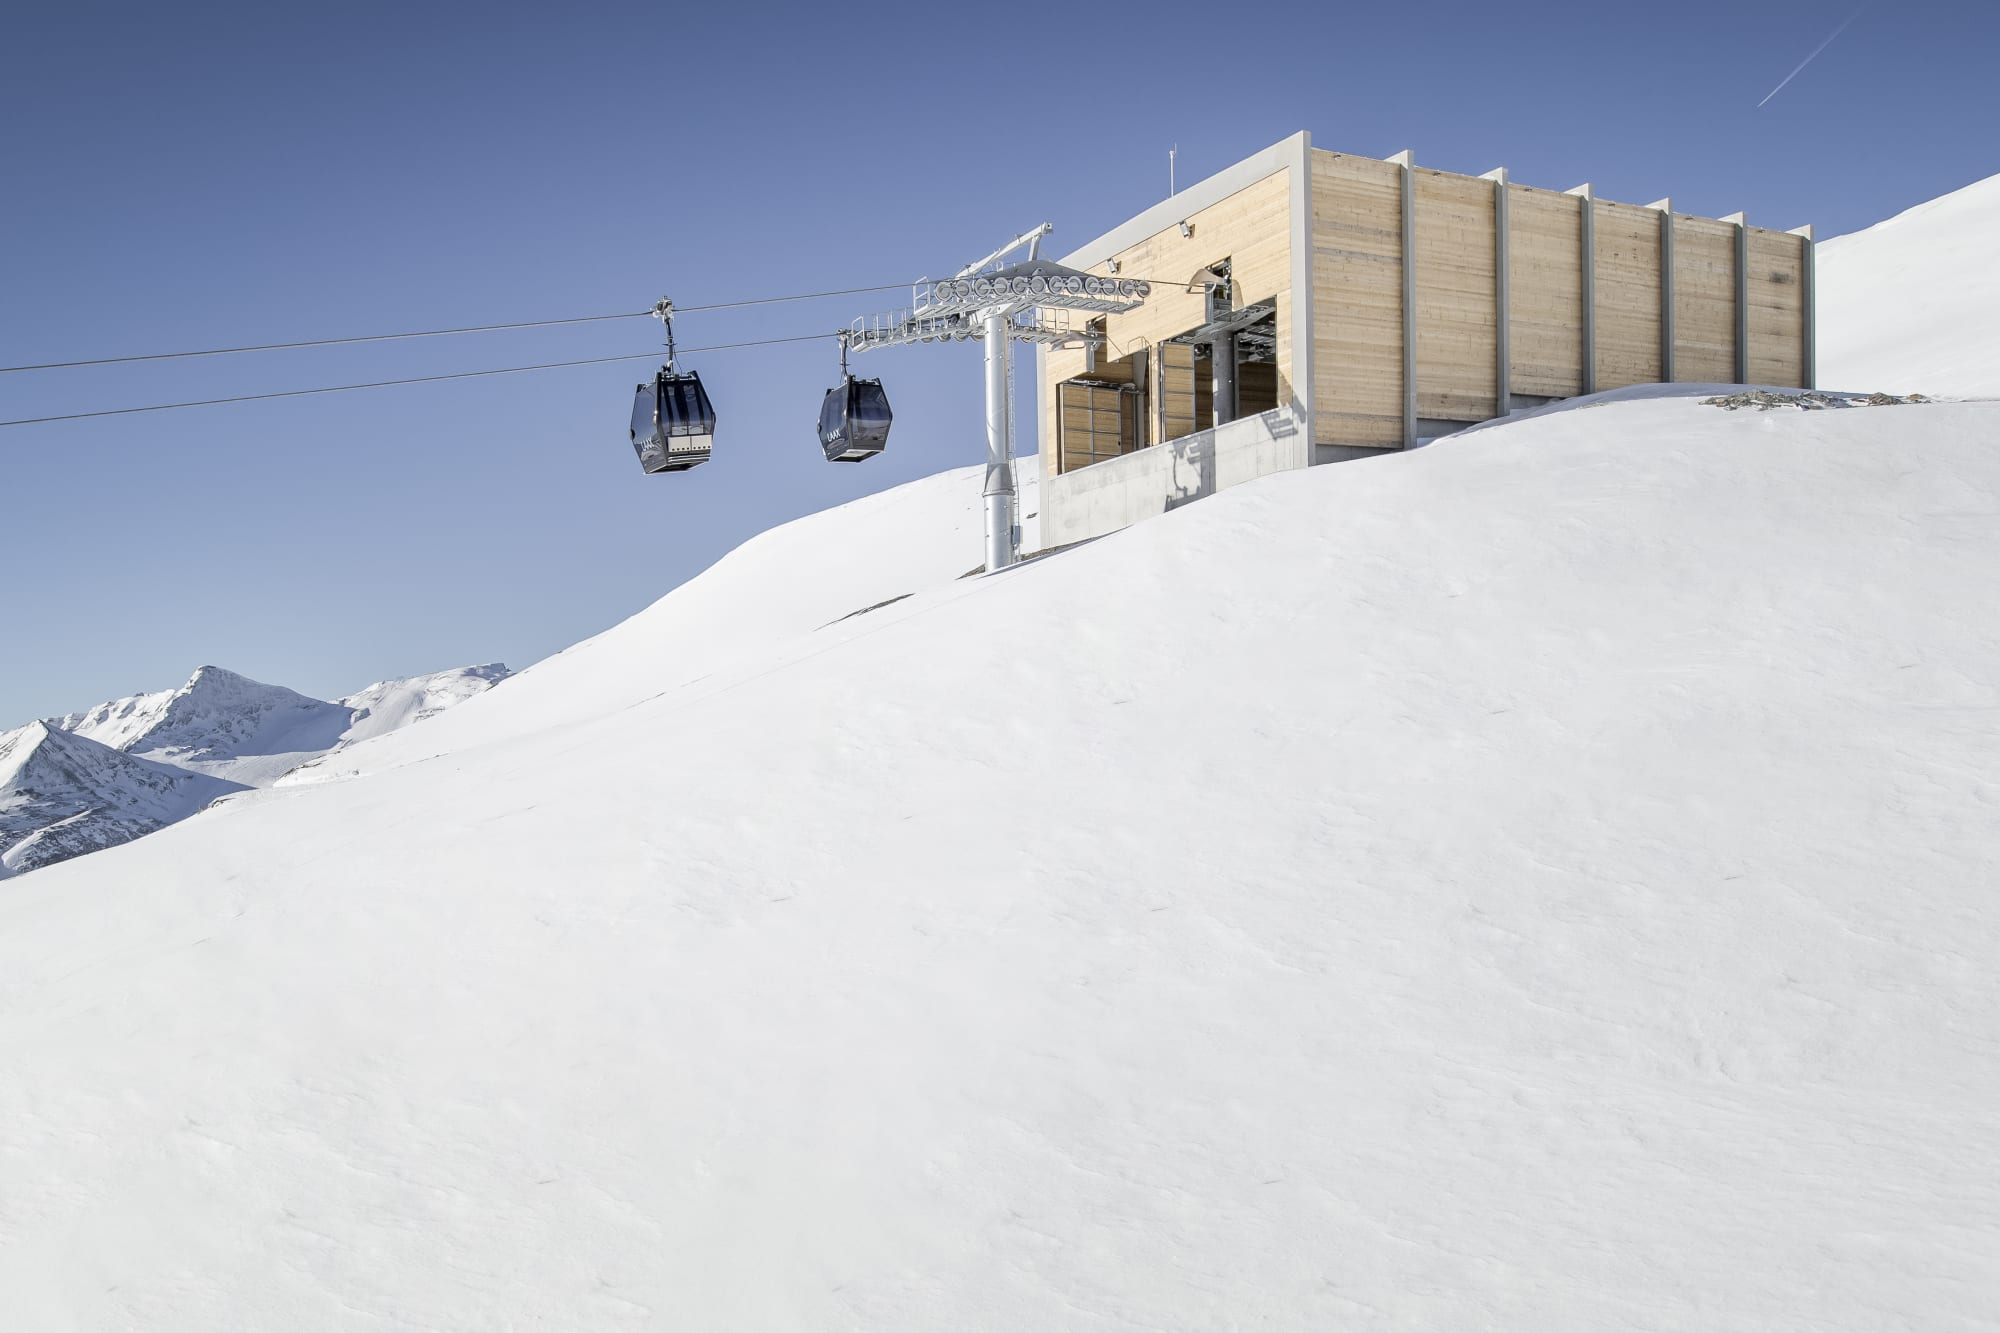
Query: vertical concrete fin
[[1503, 352], [1586, 239], [1742, 266], [1407, 160], [1304, 274], [1808, 308], [1667, 335]]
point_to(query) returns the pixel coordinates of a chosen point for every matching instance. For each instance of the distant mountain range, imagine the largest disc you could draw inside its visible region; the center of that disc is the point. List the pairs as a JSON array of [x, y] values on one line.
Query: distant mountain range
[[109, 774]]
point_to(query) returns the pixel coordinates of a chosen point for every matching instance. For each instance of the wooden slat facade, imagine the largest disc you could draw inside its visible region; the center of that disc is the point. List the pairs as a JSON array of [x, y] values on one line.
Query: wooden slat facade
[[1704, 300], [1545, 292], [1775, 279], [1353, 222], [1096, 421], [1179, 400], [1457, 327], [1357, 231], [1628, 294]]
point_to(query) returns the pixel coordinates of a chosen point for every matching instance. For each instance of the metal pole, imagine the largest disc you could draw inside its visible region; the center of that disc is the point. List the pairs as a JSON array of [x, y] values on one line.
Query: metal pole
[[1025, 238], [999, 492], [1222, 379]]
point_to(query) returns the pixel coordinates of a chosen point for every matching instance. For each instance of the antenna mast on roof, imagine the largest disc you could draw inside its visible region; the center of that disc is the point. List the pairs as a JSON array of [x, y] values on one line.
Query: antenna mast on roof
[[1170, 169]]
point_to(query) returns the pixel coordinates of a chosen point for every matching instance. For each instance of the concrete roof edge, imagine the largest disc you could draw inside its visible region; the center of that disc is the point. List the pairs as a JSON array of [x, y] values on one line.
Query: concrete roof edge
[[1193, 199]]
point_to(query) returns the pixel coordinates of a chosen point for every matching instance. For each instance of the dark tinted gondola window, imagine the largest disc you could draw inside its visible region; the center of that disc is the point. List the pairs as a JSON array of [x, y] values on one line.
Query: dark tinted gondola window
[[642, 413], [831, 415], [869, 410], [684, 408]]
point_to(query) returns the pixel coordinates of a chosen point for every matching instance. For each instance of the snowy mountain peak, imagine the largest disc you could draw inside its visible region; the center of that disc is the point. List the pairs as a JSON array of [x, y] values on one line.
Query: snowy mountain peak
[[231, 726], [18, 746], [62, 795], [41, 755], [214, 687], [102, 776]]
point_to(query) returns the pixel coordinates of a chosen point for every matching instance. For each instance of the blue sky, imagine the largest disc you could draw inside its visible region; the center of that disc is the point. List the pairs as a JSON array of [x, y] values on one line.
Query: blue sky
[[226, 174]]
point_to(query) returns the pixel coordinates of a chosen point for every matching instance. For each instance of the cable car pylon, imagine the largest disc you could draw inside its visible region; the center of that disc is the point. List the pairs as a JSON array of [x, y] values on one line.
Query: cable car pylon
[[1001, 304], [673, 422]]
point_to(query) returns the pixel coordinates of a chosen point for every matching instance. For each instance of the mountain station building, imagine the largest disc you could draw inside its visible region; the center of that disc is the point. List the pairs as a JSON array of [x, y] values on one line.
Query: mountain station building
[[1310, 306]]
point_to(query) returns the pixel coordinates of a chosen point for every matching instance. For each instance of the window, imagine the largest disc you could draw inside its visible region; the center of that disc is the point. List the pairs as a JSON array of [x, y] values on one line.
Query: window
[[1096, 421]]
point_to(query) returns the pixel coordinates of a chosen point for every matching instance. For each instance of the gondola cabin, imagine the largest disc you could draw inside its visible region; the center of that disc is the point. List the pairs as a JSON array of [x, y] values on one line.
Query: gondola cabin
[[673, 423], [854, 420]]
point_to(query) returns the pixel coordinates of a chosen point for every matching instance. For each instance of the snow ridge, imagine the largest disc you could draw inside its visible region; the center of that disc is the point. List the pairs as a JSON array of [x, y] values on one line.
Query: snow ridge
[[390, 705], [103, 776], [231, 726], [63, 795], [1910, 304]]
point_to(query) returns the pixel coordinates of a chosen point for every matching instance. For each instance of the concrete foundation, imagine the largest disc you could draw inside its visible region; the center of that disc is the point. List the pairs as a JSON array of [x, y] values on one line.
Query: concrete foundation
[[1119, 492]]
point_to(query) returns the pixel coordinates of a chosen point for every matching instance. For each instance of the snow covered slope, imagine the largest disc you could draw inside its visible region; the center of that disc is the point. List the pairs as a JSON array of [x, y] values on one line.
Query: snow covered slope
[[1913, 304], [1542, 880], [64, 795], [391, 705], [775, 587]]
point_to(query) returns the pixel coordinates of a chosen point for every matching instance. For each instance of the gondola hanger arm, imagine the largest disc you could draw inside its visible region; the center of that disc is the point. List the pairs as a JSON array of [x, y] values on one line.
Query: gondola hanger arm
[[663, 310], [1028, 238]]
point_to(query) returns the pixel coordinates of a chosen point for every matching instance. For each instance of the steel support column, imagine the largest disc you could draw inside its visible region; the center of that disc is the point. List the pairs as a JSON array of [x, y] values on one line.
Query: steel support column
[[1222, 379], [1001, 550]]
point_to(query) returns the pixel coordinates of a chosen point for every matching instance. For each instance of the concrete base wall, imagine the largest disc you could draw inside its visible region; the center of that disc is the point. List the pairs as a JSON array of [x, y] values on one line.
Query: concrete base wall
[[1119, 492], [1346, 453]]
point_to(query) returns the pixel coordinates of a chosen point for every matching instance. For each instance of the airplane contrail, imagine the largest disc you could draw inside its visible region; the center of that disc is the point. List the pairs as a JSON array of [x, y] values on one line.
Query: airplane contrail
[[1814, 56]]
